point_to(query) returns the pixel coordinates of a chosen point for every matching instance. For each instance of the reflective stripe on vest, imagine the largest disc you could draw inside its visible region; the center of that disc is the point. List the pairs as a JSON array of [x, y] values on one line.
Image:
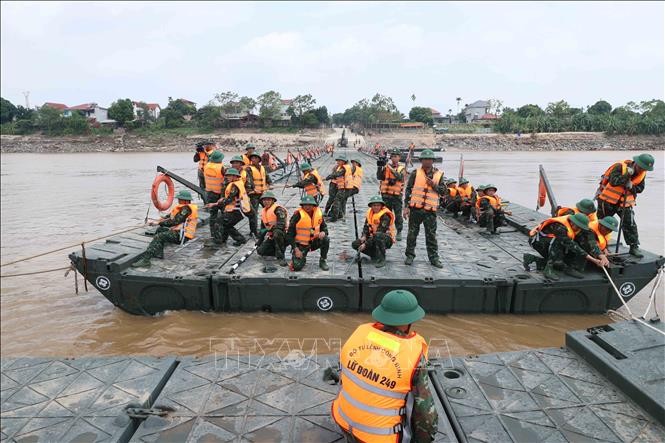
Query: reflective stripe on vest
[[563, 220], [259, 177], [452, 190], [398, 187], [422, 195], [374, 219], [314, 190], [601, 240], [570, 211], [465, 192], [308, 227], [495, 201], [268, 216], [344, 181], [241, 202], [203, 157], [615, 194], [214, 177], [191, 222], [357, 178]]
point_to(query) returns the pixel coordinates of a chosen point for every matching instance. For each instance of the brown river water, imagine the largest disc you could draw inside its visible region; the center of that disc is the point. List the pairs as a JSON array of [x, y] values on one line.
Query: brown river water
[[54, 200]]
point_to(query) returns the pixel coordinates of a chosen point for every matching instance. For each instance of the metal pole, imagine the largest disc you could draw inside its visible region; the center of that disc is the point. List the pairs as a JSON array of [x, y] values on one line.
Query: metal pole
[[623, 214]]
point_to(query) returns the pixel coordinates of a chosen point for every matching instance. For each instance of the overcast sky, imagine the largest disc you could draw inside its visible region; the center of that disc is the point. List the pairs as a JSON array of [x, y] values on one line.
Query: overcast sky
[[339, 52]]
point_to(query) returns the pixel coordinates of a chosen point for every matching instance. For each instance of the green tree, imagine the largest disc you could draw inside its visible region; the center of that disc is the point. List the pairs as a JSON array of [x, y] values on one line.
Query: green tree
[[600, 107], [530, 111], [23, 113], [122, 111], [421, 114], [558, 109], [7, 111], [309, 120], [50, 121], [175, 113], [299, 106], [269, 106], [321, 114]]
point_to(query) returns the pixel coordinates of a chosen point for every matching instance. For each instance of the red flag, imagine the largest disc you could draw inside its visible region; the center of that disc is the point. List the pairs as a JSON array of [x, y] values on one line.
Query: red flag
[[542, 193]]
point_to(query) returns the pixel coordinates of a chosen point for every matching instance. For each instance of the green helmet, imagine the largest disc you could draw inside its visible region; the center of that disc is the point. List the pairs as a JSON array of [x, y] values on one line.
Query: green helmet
[[268, 194], [184, 194], [216, 157], [250, 146], [610, 223], [254, 154], [395, 151], [308, 200], [232, 171], [480, 188], [375, 199], [463, 181], [490, 186], [305, 167], [237, 158], [427, 154], [450, 181], [644, 161], [580, 220], [355, 160], [586, 206], [341, 157], [398, 307]]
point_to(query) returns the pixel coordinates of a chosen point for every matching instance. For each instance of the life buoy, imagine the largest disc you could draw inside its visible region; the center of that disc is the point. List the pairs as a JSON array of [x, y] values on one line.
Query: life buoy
[[154, 195]]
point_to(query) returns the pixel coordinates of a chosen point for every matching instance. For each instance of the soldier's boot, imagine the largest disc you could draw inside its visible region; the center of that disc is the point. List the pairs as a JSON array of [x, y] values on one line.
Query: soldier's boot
[[240, 240], [380, 263], [409, 260], [323, 265], [144, 262], [573, 272], [436, 263], [527, 259], [398, 237], [282, 262], [635, 251], [550, 273]]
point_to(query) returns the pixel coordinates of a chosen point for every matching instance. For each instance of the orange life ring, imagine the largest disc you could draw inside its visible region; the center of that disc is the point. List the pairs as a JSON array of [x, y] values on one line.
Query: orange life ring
[[154, 194]]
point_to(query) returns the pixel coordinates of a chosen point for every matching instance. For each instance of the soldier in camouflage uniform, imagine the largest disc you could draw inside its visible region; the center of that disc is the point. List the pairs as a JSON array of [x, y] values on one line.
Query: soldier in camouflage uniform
[[391, 188], [254, 197], [399, 309], [272, 239], [338, 209], [247, 178], [551, 239], [492, 214], [171, 230], [320, 241], [421, 200], [215, 181], [374, 243], [618, 191], [309, 180], [230, 218]]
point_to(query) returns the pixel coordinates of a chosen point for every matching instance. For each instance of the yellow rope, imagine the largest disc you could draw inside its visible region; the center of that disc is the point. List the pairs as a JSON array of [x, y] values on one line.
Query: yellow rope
[[35, 272]]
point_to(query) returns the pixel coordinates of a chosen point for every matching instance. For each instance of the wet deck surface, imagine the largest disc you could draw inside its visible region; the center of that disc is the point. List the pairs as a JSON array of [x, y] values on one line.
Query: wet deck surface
[[548, 395]]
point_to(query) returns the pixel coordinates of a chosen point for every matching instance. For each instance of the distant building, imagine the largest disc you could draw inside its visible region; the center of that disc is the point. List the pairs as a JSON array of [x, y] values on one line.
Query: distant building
[[476, 110], [188, 102], [58, 106], [488, 117], [284, 118], [153, 109], [91, 111], [437, 117], [412, 125], [241, 117]]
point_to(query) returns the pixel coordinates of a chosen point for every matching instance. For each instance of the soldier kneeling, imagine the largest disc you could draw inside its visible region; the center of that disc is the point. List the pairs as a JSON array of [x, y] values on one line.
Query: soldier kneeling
[[272, 234], [378, 232], [308, 232]]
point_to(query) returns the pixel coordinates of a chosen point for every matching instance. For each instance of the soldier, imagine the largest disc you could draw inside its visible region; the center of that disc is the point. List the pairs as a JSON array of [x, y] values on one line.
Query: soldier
[[599, 235], [585, 206], [249, 150], [451, 193], [375, 409], [557, 240], [356, 178], [378, 232], [618, 191], [392, 177], [480, 191], [203, 151], [214, 181], [273, 228], [235, 202], [177, 227], [261, 182], [462, 201], [342, 176], [421, 200], [307, 232], [311, 182], [491, 213], [248, 180]]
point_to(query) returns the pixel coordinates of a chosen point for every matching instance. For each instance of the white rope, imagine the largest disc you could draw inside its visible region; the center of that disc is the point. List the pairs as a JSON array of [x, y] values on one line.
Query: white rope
[[626, 306], [652, 296]]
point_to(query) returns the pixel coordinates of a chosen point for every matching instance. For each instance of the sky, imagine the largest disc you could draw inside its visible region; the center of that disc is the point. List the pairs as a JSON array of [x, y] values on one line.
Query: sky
[[517, 52]]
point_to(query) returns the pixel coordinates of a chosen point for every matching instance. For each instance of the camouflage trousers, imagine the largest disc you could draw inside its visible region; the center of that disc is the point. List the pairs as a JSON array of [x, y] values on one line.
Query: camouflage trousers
[[215, 216], [375, 246], [227, 225], [272, 247], [629, 227], [427, 218], [338, 209], [202, 179], [254, 200], [162, 236], [491, 219], [332, 193], [298, 263], [557, 252], [394, 203], [456, 206]]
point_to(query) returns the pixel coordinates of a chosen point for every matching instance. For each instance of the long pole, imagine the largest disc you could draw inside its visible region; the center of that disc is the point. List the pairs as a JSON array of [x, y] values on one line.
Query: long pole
[[623, 214], [355, 226]]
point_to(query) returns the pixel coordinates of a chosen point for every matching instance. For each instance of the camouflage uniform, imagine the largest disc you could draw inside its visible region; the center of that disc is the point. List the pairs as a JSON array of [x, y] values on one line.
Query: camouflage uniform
[[339, 204], [332, 194], [393, 202], [165, 235], [311, 180], [376, 245], [254, 200], [229, 220], [421, 216], [424, 418], [275, 246], [298, 263], [215, 220], [629, 227], [490, 218], [456, 205], [560, 251]]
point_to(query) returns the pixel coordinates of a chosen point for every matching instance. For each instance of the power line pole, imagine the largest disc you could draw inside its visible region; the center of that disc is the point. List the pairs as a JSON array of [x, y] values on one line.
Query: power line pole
[[26, 94]]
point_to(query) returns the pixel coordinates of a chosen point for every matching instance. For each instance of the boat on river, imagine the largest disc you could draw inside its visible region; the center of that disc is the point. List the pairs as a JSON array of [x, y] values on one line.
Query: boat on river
[[481, 274]]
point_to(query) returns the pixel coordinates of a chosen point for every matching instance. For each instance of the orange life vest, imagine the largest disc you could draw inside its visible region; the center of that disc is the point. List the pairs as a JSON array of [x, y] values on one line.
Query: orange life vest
[[344, 181], [452, 191], [422, 196], [203, 157], [214, 177], [190, 223], [495, 201], [241, 202], [564, 211], [316, 189], [268, 216], [259, 176], [465, 191], [374, 219], [563, 220], [398, 187], [602, 240], [308, 227], [245, 158], [357, 178], [377, 379], [615, 194]]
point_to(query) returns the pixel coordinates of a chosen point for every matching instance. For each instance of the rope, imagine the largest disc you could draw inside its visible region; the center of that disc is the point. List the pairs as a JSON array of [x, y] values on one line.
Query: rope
[[652, 296], [35, 272], [70, 246], [626, 306]]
